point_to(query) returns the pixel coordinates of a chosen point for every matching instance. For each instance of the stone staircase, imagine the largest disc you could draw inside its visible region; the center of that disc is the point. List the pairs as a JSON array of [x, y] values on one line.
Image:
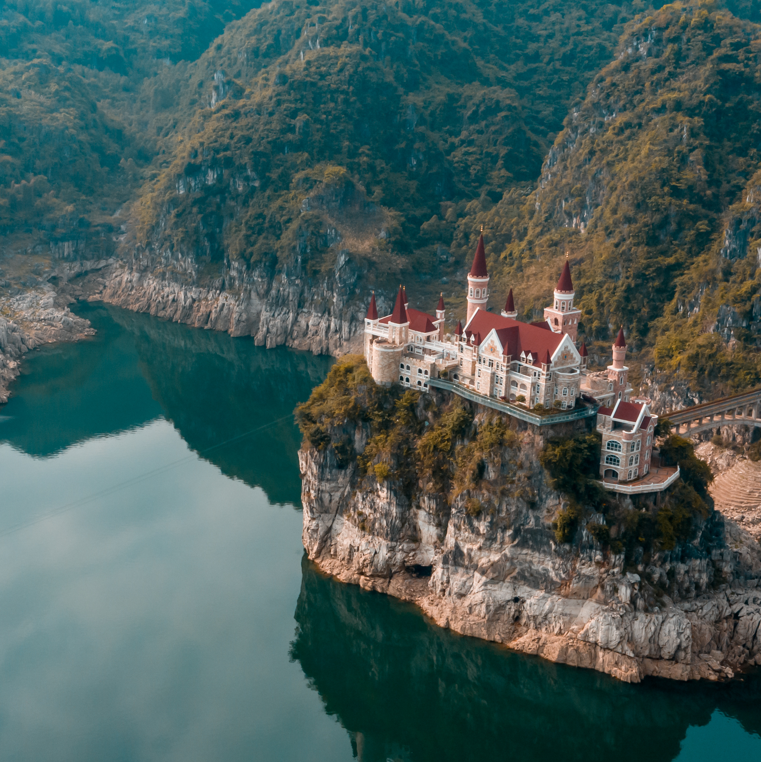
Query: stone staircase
[[737, 494]]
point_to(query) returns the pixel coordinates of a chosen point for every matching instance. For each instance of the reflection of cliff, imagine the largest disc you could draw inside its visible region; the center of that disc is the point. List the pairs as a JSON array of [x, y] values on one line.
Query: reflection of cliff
[[70, 393], [214, 388], [408, 690]]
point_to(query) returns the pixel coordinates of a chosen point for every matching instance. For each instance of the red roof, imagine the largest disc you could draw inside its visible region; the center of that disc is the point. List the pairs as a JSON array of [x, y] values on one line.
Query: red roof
[[628, 411], [515, 337], [406, 299], [372, 310], [547, 360], [510, 304], [543, 324], [458, 330], [583, 350], [565, 284], [440, 305], [646, 422], [420, 321], [620, 340], [399, 315], [605, 411], [478, 270]]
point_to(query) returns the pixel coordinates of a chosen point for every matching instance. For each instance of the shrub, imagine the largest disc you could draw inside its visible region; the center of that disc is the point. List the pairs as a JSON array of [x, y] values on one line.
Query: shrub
[[601, 533], [678, 451], [567, 522], [473, 507], [382, 471], [573, 465]]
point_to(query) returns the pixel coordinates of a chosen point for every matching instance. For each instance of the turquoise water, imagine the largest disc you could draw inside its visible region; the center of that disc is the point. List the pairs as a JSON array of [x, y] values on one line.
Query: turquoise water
[[155, 603]]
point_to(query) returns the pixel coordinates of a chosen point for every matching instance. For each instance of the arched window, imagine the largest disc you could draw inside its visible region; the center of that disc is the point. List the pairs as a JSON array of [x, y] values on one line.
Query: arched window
[[648, 441], [420, 371], [612, 460], [613, 445], [562, 306], [556, 304], [401, 365], [401, 378], [471, 291], [419, 383]]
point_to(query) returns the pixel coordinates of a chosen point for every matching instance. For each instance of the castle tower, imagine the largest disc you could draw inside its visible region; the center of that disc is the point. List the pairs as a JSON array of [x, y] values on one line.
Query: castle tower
[[440, 315], [584, 352], [563, 317], [398, 324], [371, 321], [618, 373], [509, 311], [478, 281]]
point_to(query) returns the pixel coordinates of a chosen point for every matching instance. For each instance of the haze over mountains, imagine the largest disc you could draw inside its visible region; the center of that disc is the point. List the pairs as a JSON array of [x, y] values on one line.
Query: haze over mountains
[[216, 144]]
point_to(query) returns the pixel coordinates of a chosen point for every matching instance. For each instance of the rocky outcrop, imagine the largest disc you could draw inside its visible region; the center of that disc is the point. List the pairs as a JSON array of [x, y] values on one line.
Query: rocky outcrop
[[488, 565], [278, 308], [29, 320]]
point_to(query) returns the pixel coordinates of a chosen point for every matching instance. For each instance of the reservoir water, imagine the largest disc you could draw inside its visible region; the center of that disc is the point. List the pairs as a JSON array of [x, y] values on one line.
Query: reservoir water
[[155, 603]]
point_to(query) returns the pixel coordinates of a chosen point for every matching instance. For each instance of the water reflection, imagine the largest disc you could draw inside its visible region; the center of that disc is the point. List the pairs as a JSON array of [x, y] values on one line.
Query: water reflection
[[407, 690], [210, 386]]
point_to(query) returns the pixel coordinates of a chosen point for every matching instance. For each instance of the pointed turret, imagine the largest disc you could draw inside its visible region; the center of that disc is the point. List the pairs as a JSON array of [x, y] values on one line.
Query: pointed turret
[[584, 354], [562, 316], [478, 269], [547, 360], [509, 311], [372, 310], [458, 330], [440, 305], [406, 300], [399, 315], [565, 284], [478, 281], [620, 340]]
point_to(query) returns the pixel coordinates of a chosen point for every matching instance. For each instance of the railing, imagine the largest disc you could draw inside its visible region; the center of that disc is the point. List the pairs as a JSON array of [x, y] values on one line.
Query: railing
[[635, 489], [522, 414], [722, 405]]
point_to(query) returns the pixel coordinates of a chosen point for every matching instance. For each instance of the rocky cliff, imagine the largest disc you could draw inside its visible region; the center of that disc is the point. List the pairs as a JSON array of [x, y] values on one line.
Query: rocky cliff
[[28, 320], [454, 512]]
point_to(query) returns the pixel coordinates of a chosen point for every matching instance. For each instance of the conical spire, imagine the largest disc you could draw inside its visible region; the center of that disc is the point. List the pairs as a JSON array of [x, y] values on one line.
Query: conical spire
[[620, 340], [583, 350], [478, 270], [565, 284], [372, 310], [440, 306], [458, 330], [510, 304], [404, 293], [399, 315]]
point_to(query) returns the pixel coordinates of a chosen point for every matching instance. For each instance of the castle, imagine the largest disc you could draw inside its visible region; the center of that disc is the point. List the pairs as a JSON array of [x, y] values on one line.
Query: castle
[[533, 365]]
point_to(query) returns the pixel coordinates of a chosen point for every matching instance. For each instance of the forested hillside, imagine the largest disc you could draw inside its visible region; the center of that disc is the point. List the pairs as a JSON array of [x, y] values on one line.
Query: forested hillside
[[205, 138], [653, 189]]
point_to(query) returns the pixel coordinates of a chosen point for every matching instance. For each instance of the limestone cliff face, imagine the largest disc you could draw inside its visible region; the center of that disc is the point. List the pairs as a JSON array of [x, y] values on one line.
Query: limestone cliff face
[[277, 306], [29, 320], [496, 571]]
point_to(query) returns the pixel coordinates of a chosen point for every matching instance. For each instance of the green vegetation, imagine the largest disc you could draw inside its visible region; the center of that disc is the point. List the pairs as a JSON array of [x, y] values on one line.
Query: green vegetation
[[421, 450], [573, 465]]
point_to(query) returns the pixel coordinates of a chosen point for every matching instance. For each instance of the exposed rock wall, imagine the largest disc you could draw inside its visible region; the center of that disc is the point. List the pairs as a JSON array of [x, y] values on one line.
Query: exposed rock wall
[[275, 306], [29, 320], [499, 574]]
